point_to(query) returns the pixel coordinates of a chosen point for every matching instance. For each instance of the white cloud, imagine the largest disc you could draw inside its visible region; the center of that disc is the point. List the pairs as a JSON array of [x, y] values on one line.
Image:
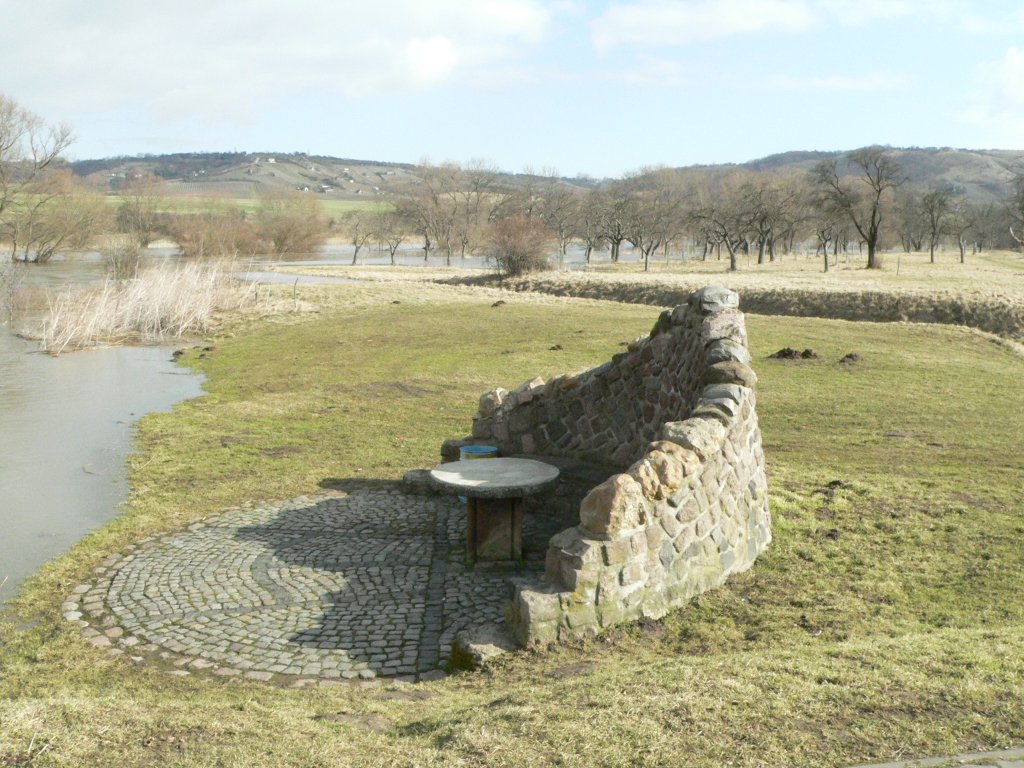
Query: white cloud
[[660, 73], [864, 11], [230, 58], [870, 82], [678, 22], [999, 106], [978, 23], [671, 22], [430, 60]]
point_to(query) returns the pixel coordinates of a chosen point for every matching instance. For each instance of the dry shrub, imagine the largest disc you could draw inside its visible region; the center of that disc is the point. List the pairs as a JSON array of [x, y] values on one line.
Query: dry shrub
[[517, 245], [122, 254], [290, 222], [220, 231], [163, 302]]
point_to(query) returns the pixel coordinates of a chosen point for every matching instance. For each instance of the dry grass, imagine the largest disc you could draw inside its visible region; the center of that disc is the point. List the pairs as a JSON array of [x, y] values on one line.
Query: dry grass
[[987, 293], [999, 273], [164, 302], [884, 621]]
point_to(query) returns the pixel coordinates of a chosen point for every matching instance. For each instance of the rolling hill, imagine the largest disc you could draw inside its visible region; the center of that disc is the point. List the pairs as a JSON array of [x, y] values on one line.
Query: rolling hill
[[981, 175]]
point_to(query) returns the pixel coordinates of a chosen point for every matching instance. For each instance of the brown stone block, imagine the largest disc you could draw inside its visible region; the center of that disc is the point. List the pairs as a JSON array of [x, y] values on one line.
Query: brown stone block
[[614, 506], [688, 460], [646, 477], [670, 471]]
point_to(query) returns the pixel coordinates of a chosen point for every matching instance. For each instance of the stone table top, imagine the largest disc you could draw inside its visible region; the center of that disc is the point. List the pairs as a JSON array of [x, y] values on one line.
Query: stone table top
[[495, 478]]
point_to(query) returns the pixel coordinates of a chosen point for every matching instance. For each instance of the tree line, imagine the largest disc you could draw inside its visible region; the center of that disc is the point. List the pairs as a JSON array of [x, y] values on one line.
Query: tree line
[[861, 200]]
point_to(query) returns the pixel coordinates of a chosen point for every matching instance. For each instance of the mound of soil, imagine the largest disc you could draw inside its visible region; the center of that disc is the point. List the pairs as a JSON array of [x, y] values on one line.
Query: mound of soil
[[788, 353]]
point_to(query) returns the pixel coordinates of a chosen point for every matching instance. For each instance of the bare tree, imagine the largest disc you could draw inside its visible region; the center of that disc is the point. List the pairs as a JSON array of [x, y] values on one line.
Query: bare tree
[[769, 206], [960, 220], [559, 210], [473, 202], [911, 220], [416, 204], [359, 227], [936, 204], [864, 197], [823, 216], [723, 218], [54, 215], [588, 224], [391, 229], [614, 208], [138, 213], [29, 147], [1015, 210], [432, 205]]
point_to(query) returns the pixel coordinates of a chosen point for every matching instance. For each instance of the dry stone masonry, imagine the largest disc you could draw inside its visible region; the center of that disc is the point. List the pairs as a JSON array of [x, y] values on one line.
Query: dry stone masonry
[[678, 409]]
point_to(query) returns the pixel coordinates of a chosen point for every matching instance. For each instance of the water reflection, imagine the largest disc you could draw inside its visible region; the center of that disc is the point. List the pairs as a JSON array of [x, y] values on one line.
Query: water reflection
[[65, 429]]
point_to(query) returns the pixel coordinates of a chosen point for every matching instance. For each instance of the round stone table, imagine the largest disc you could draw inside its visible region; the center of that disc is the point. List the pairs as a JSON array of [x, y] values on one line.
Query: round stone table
[[494, 489]]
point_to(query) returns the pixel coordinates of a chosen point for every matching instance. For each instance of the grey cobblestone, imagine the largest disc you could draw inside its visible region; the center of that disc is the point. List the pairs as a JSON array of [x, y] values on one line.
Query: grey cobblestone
[[345, 587]]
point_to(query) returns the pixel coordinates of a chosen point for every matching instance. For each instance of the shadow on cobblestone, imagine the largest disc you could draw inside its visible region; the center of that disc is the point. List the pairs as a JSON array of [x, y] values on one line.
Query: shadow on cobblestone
[[359, 584], [356, 484], [364, 562]]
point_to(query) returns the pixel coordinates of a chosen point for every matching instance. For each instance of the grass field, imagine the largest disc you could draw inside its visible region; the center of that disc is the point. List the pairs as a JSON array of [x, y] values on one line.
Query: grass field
[[990, 271], [998, 273], [885, 620]]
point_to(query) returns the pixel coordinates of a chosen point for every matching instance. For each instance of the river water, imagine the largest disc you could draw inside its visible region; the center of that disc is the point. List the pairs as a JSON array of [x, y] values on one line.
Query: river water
[[66, 423], [66, 426]]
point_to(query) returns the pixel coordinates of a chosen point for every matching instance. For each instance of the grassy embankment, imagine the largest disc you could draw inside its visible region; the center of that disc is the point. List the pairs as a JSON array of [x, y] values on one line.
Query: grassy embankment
[[884, 620]]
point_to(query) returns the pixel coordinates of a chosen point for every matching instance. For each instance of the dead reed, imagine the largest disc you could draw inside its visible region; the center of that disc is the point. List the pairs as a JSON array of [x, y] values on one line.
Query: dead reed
[[167, 301]]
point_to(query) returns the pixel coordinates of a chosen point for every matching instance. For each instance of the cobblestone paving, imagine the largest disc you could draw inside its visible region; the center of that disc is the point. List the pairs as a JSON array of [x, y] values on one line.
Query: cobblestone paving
[[339, 587]]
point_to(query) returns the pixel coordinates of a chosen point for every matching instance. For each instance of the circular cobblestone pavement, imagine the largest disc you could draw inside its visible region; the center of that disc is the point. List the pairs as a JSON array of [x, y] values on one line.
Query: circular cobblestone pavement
[[338, 587]]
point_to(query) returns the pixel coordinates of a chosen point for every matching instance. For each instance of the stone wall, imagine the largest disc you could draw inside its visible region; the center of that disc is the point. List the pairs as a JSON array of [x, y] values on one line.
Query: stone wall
[[690, 509], [608, 414], [1002, 315]]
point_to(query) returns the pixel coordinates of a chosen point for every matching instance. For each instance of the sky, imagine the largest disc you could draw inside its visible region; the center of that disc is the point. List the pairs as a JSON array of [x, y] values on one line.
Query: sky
[[566, 86]]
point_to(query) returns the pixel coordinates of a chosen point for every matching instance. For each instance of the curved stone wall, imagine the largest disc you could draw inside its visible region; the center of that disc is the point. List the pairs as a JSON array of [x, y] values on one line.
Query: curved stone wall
[[692, 507], [608, 414]]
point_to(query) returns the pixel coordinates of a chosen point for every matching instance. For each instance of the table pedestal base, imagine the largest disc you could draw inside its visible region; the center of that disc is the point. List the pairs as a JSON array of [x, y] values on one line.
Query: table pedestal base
[[494, 530]]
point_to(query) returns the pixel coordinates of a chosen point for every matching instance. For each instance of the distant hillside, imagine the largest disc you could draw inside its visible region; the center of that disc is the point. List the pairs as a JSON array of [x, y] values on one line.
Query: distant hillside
[[238, 174], [981, 175]]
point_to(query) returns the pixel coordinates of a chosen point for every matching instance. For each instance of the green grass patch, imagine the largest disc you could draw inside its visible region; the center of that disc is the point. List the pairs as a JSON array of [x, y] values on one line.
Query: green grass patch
[[884, 620]]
